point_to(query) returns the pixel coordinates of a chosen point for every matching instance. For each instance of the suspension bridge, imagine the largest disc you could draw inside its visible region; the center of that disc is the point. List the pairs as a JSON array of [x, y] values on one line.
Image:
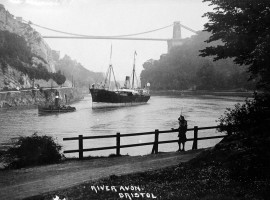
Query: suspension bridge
[[176, 40]]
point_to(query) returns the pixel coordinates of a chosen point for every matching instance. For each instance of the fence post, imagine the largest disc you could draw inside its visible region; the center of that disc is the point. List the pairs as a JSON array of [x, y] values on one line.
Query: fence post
[[195, 141], [80, 147], [118, 144], [156, 141], [229, 129], [155, 146]]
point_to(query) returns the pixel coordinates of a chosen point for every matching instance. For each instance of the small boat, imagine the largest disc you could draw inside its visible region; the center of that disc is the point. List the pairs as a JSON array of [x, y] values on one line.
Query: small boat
[[56, 108], [53, 109], [106, 95]]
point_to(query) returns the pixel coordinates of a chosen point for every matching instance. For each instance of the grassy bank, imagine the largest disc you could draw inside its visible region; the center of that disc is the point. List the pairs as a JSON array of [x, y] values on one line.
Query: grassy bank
[[236, 168]]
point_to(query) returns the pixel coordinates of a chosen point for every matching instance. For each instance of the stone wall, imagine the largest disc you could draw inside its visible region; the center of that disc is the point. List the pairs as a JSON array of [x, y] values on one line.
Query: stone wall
[[39, 97]]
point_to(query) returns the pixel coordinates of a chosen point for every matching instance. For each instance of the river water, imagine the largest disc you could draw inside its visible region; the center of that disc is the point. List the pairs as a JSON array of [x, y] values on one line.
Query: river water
[[161, 112]]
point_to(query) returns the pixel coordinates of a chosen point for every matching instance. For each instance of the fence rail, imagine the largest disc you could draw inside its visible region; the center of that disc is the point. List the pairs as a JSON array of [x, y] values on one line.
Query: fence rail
[[155, 143]]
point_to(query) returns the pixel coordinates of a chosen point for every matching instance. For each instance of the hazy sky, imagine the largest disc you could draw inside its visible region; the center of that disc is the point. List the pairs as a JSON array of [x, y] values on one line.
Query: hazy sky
[[110, 17]]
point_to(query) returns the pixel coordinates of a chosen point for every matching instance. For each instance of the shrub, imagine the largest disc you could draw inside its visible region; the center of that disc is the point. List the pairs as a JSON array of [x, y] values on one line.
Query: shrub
[[4, 65], [32, 150], [59, 78], [21, 81], [244, 118]]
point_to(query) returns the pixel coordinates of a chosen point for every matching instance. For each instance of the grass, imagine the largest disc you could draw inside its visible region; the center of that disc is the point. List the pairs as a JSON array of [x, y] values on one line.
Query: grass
[[233, 169]]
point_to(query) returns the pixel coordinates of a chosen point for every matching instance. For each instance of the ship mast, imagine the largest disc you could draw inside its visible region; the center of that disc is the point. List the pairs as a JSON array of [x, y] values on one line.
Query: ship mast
[[110, 68], [133, 72], [110, 72]]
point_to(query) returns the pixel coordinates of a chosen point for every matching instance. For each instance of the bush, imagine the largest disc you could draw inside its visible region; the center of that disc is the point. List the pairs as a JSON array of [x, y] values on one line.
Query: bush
[[59, 78], [4, 65], [244, 118], [32, 150]]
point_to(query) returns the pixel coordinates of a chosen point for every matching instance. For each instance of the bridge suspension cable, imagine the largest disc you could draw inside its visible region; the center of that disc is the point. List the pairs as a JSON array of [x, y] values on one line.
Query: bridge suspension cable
[[187, 28], [81, 35]]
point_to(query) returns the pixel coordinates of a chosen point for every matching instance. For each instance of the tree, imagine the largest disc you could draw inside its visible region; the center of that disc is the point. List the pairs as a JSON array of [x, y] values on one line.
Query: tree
[[77, 72], [243, 28], [182, 68], [206, 74]]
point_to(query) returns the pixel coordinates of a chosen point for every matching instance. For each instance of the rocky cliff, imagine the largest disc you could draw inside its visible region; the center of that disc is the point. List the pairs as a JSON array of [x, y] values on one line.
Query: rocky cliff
[[28, 66], [39, 48], [11, 78]]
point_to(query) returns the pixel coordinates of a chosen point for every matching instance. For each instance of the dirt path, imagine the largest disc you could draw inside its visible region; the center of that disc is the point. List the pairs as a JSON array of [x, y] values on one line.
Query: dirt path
[[19, 184]]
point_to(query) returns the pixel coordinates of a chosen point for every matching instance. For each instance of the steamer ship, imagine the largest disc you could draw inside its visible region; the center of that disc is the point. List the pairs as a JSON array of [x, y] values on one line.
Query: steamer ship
[[106, 94]]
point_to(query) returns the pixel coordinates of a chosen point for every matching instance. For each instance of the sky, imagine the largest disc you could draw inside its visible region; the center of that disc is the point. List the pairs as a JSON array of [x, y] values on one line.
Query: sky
[[109, 18]]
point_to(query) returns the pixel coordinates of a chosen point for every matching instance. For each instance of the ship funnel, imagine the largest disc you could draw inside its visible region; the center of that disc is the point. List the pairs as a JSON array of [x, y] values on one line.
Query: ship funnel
[[127, 82]]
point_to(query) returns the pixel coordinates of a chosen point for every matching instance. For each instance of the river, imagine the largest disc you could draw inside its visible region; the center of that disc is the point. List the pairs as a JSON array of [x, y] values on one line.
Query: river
[[161, 112]]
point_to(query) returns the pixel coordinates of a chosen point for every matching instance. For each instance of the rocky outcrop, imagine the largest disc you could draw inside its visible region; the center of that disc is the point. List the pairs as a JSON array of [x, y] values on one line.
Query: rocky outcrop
[[27, 62], [40, 49], [11, 78]]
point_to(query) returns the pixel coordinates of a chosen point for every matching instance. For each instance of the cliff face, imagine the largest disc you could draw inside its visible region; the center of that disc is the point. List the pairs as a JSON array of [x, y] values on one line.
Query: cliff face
[[40, 49], [11, 78]]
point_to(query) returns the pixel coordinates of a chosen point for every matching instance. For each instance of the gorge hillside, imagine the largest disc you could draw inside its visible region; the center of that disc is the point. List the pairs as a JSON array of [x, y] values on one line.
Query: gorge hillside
[[75, 71], [182, 69], [27, 61]]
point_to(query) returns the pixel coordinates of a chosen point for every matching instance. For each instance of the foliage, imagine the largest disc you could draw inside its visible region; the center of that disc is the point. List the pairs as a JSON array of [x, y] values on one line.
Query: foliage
[[21, 81], [32, 150], [183, 68], [243, 28], [4, 65], [14, 47], [59, 78], [247, 116]]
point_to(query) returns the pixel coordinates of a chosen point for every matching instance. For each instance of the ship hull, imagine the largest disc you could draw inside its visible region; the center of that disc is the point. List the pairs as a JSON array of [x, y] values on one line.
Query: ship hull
[[102, 96], [55, 110]]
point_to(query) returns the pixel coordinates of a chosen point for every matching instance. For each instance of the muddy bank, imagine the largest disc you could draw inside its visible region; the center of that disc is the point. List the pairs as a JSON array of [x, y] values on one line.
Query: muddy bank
[[204, 92]]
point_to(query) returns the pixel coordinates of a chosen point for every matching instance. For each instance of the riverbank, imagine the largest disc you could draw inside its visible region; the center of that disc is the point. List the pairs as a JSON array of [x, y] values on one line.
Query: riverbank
[[234, 169], [233, 93]]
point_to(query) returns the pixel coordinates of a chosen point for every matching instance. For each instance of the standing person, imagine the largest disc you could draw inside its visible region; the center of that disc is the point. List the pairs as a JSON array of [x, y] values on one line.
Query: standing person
[[182, 132]]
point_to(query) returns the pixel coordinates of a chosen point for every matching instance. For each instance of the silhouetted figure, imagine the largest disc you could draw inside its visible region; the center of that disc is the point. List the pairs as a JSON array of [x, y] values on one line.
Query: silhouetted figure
[[182, 132]]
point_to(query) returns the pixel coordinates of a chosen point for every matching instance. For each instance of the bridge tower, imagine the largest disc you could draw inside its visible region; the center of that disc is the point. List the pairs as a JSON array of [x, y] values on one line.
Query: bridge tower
[[176, 40]]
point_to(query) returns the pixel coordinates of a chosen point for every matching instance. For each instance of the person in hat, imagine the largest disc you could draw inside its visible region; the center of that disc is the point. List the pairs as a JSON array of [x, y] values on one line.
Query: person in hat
[[182, 132]]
